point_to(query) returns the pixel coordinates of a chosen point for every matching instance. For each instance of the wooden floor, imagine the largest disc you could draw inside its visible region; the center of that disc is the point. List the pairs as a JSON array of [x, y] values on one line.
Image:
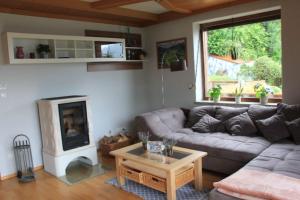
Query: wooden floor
[[47, 187]]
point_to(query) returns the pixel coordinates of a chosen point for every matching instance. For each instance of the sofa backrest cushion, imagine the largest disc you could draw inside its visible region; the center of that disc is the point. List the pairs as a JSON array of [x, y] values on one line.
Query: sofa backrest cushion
[[224, 113], [291, 112], [294, 129], [198, 112], [258, 112], [241, 125], [208, 124], [273, 128]]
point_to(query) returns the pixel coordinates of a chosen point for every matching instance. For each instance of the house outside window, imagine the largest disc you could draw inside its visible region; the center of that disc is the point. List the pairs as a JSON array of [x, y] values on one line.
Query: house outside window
[[243, 53]]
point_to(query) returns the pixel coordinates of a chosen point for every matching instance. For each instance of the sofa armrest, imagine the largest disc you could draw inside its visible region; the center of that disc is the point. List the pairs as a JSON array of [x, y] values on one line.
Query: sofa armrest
[[152, 124], [160, 122]]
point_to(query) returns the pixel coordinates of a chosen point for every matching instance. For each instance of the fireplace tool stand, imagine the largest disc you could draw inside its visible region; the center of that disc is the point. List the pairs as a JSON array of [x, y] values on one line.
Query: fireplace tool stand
[[23, 156]]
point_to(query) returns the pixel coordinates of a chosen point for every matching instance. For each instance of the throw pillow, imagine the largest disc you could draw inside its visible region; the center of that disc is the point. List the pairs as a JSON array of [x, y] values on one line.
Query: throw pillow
[[291, 112], [258, 112], [273, 128], [208, 124], [198, 112], [223, 113], [241, 125], [294, 129]]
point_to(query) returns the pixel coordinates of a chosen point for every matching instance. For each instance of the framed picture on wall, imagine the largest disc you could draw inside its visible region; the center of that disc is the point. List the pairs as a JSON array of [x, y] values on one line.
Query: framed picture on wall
[[172, 54]]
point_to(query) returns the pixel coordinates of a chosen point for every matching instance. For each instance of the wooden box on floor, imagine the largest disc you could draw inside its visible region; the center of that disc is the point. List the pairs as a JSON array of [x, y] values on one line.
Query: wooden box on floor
[[105, 149]]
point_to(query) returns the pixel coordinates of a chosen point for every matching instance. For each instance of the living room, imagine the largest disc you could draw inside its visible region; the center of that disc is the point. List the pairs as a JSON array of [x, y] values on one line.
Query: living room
[[116, 97]]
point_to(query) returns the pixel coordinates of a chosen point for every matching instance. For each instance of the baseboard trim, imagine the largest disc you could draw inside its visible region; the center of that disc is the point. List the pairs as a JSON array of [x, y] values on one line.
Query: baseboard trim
[[37, 168]]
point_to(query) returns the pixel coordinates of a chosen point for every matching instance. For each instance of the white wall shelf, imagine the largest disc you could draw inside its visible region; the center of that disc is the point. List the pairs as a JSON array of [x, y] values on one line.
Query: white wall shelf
[[134, 60], [134, 47], [64, 48]]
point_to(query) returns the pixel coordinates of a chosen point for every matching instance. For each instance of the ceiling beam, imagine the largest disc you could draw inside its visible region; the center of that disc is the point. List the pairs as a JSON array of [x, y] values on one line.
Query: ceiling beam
[[132, 13], [168, 5], [85, 7], [169, 16], [105, 4], [67, 17]]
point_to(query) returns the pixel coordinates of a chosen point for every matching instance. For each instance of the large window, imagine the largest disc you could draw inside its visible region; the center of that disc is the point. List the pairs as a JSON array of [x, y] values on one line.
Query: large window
[[243, 52]]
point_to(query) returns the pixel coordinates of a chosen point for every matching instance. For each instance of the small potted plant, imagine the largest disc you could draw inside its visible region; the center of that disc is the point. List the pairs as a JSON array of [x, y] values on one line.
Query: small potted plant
[[215, 93], [262, 92], [238, 94], [43, 50]]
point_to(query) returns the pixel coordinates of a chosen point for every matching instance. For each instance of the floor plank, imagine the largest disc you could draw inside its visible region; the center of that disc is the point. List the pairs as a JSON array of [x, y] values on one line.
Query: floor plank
[[48, 187]]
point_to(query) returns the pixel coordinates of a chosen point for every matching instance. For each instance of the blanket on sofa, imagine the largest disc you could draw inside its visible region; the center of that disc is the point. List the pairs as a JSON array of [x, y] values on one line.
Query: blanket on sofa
[[252, 184]]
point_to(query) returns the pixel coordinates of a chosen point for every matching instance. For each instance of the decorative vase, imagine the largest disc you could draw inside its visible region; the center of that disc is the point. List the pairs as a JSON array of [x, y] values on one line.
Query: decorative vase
[[263, 100], [32, 55], [238, 99], [20, 53], [144, 145], [216, 99], [169, 144], [169, 151]]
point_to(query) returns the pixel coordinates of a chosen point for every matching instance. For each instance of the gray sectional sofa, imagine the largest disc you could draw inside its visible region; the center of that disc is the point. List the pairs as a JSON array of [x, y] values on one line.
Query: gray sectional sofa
[[262, 148]]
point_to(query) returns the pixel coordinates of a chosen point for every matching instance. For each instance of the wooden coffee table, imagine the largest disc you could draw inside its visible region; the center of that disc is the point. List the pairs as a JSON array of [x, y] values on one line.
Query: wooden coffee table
[[158, 171]]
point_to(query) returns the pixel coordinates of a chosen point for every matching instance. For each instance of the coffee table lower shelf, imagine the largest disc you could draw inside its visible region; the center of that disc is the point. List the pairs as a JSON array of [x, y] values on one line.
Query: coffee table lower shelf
[[163, 173], [182, 177]]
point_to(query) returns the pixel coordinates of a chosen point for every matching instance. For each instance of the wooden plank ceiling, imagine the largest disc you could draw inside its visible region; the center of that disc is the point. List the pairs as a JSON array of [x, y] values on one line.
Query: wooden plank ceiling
[[138, 13]]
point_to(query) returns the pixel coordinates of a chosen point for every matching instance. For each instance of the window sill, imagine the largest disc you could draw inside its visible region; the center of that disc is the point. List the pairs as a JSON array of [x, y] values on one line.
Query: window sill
[[231, 103]]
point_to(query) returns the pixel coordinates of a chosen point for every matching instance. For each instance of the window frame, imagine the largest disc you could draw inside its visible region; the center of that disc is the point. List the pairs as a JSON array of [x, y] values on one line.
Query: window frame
[[205, 27]]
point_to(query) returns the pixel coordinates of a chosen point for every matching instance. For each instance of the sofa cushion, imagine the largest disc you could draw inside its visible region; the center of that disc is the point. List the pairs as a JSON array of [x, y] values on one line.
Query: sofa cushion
[[282, 157], [291, 112], [294, 129], [258, 112], [273, 128], [223, 145], [208, 124], [241, 125], [197, 113], [223, 113]]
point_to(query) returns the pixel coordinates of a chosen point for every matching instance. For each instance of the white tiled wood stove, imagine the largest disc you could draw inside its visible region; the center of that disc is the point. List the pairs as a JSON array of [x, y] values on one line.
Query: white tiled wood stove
[[67, 132]]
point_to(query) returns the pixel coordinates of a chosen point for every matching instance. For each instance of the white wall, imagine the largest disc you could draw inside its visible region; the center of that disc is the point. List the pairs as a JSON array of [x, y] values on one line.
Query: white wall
[[291, 48], [116, 96], [177, 83]]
